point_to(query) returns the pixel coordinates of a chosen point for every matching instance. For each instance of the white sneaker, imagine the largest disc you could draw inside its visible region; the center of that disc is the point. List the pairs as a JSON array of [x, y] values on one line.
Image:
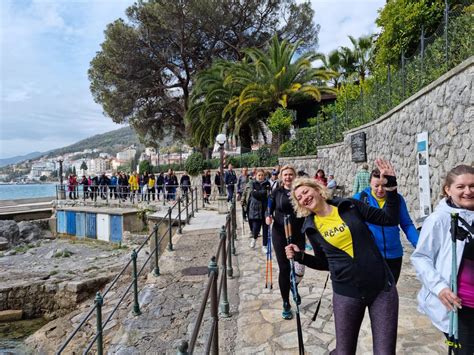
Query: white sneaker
[[252, 243], [264, 250]]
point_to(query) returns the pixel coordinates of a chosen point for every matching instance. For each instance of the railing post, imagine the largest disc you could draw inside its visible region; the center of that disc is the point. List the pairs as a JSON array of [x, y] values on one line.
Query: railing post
[[197, 202], [170, 230], [228, 232], [180, 229], [156, 270], [403, 75], [203, 203], [446, 39], [99, 301], [214, 305], [192, 203], [389, 81], [183, 348], [224, 305], [186, 197], [136, 306]]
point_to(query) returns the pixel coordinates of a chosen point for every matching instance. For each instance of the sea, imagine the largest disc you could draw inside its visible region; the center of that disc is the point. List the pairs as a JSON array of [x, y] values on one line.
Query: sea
[[20, 191]]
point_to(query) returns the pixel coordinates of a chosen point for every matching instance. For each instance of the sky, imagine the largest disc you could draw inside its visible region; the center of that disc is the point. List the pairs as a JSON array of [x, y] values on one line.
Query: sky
[[46, 47]]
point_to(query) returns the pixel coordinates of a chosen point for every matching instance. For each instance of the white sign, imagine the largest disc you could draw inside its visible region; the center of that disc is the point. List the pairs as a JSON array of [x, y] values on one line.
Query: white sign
[[423, 174]]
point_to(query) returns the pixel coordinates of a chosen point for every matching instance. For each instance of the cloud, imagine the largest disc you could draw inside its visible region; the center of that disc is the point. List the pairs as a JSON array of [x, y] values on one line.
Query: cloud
[[340, 18], [45, 50]]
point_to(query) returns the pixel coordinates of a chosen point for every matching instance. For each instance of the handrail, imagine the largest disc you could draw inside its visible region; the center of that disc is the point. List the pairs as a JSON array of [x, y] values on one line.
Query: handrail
[[223, 257], [134, 283]]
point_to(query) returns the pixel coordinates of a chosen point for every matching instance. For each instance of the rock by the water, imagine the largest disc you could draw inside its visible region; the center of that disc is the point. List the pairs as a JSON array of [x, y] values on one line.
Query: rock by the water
[[29, 231], [10, 231], [3, 243]]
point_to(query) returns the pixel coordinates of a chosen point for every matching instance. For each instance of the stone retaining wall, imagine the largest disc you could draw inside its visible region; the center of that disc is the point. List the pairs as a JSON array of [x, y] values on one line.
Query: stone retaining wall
[[445, 109], [49, 299]]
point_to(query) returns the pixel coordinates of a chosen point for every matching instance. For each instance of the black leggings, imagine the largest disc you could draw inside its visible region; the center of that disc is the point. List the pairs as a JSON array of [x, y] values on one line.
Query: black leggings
[[466, 331], [395, 266], [255, 226], [279, 243], [349, 313]]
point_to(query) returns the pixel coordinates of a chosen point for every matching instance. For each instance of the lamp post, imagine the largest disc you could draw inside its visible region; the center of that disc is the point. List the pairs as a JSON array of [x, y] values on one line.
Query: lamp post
[[220, 139], [62, 191]]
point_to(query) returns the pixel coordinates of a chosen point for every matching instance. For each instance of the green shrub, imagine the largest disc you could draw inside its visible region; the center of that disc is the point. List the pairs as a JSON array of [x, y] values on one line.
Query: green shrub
[[195, 164]]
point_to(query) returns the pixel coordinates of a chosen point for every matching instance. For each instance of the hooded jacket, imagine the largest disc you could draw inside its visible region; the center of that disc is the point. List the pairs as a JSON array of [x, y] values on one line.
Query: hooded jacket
[[432, 261], [387, 238], [366, 274]]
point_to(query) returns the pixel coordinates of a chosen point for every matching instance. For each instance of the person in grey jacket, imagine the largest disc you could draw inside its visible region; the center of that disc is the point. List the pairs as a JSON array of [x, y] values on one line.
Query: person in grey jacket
[[433, 263]]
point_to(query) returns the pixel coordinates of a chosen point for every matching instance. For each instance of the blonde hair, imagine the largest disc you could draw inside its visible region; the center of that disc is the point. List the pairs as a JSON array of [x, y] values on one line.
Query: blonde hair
[[308, 182], [288, 167]]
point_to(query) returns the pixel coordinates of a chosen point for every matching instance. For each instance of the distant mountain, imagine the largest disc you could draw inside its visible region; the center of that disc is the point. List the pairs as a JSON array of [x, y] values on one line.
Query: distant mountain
[[110, 142], [19, 158]]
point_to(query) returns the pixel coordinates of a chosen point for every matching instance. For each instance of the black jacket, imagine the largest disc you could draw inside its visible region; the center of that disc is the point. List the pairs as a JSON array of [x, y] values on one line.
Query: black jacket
[[365, 275]]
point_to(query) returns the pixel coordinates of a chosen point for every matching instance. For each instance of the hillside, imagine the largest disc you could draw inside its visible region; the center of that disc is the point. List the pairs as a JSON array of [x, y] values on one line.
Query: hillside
[[19, 158], [110, 142]]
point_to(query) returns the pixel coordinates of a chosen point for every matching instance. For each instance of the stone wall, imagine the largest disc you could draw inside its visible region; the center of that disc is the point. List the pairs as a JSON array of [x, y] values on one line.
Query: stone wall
[[445, 109], [49, 299]]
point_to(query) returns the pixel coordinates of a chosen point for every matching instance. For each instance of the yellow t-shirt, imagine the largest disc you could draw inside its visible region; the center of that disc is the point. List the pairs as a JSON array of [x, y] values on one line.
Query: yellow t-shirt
[[335, 231], [151, 183], [380, 201]]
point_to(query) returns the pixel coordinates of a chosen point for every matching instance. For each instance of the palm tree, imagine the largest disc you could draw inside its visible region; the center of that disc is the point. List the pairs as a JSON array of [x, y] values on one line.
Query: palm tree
[[333, 62], [363, 51], [280, 80]]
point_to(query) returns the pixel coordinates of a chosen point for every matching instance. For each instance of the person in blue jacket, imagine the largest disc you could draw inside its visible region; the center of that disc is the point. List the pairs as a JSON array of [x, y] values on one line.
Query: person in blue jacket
[[387, 238]]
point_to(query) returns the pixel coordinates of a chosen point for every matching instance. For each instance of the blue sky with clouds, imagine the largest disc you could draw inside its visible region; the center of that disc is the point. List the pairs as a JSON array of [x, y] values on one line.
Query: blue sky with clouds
[[45, 50]]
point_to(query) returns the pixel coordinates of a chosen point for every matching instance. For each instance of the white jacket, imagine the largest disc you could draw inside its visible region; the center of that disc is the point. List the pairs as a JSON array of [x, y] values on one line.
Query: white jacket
[[432, 260]]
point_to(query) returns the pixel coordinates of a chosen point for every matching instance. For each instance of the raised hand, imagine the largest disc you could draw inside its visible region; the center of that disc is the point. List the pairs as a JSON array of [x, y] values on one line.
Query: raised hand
[[386, 170]]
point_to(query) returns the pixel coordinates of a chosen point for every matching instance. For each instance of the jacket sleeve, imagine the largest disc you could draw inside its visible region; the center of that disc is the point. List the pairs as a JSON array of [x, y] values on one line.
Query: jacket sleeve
[[407, 224], [271, 204], [388, 216], [423, 258], [317, 261]]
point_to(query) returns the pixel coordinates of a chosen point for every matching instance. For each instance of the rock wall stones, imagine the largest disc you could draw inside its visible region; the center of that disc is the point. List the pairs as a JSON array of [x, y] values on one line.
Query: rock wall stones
[[445, 109]]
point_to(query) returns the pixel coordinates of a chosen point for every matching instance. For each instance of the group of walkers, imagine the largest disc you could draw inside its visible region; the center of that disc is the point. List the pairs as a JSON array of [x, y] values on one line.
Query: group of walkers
[[358, 241], [133, 186]]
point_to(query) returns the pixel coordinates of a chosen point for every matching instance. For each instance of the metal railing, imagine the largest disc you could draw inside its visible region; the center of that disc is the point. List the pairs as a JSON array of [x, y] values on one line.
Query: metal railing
[[216, 289], [188, 205]]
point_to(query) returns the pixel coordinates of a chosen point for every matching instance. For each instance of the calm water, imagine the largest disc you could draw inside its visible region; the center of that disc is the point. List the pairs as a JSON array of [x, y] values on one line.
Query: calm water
[[13, 192]]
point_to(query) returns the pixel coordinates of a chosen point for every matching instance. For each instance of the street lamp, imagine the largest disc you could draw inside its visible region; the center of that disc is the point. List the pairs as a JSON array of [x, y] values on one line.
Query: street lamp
[[220, 139], [62, 191]]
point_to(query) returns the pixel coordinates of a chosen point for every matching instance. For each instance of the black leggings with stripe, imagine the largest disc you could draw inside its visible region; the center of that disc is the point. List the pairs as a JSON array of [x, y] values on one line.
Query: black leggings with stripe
[[349, 313]]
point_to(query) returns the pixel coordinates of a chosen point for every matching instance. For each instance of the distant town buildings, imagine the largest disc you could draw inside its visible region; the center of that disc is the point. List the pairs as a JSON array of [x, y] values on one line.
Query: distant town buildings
[[127, 155]]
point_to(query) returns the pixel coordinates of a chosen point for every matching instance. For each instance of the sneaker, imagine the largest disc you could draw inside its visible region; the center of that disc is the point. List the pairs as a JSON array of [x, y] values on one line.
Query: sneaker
[[252, 243], [287, 314], [264, 250]]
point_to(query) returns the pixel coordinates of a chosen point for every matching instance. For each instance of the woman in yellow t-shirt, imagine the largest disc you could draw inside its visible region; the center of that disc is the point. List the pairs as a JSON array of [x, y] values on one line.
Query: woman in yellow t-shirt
[[360, 277]]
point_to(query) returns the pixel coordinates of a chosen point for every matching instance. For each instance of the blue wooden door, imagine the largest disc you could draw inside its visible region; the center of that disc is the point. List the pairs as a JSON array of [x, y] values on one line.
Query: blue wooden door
[[71, 222], [91, 225], [61, 222], [115, 228], [80, 224]]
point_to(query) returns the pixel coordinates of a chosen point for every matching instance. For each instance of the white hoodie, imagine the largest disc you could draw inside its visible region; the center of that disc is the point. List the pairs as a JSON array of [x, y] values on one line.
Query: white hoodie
[[432, 260]]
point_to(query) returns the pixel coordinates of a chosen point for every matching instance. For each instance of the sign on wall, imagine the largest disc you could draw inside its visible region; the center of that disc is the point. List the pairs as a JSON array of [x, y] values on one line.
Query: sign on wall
[[359, 154], [423, 174]]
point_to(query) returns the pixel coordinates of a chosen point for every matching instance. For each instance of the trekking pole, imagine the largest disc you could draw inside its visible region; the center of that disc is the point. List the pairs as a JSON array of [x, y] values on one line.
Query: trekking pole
[[269, 265], [453, 341], [320, 299], [294, 289]]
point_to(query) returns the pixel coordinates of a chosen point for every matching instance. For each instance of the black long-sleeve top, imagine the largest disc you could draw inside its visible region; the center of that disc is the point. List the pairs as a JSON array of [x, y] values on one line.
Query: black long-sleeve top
[[366, 274]]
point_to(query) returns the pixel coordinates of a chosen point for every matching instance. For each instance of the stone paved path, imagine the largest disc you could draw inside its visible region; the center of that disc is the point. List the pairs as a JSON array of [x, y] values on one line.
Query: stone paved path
[[170, 304]]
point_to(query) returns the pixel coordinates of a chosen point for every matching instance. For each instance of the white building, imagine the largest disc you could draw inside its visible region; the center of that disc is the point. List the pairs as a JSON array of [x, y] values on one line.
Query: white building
[[41, 168], [97, 166], [127, 154]]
